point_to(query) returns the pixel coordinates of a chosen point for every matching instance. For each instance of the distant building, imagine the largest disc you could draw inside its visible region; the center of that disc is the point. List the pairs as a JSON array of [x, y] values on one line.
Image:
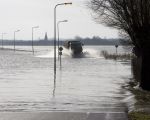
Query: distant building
[[46, 38]]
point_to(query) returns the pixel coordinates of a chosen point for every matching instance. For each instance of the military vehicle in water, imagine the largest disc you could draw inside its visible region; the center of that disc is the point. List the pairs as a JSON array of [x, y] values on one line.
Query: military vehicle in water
[[74, 46]]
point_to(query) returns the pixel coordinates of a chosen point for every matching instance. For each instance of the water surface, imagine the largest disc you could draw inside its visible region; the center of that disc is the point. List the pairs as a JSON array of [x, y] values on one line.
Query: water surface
[[88, 84]]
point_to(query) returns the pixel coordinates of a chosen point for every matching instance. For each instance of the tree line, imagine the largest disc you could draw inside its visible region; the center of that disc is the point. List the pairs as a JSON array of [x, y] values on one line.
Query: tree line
[[95, 40]]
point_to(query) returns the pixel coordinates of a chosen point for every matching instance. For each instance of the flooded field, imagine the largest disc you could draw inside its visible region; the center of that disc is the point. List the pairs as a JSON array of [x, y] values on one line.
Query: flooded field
[[87, 84]]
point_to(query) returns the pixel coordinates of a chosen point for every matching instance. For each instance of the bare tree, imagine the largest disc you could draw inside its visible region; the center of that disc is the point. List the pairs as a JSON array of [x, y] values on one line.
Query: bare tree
[[133, 18]]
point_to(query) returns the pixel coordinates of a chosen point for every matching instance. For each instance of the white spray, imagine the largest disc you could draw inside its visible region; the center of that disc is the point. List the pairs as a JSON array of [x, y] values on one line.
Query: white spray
[[87, 53]]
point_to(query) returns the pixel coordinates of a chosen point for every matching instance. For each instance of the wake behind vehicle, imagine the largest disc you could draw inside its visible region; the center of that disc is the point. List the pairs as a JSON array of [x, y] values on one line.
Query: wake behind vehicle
[[74, 46]]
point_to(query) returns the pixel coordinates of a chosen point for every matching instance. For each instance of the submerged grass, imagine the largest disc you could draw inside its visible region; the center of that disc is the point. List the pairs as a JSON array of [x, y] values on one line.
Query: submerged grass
[[125, 56], [142, 105], [139, 116], [142, 97]]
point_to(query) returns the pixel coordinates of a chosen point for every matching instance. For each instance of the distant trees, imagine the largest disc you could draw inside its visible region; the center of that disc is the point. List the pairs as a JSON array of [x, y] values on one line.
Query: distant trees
[[133, 18], [96, 40]]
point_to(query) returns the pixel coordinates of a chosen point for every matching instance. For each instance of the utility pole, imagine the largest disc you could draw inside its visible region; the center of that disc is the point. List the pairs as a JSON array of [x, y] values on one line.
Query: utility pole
[[32, 38]]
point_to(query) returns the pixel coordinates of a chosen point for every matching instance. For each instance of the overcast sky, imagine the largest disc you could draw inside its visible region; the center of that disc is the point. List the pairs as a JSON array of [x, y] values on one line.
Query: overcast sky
[[24, 14]]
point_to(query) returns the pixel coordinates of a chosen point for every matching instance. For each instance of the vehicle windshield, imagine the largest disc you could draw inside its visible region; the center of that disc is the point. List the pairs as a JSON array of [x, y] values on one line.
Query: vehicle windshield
[[75, 44]]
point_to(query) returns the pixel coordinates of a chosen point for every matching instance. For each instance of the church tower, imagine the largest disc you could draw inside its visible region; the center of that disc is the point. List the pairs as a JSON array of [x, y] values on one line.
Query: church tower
[[46, 38]]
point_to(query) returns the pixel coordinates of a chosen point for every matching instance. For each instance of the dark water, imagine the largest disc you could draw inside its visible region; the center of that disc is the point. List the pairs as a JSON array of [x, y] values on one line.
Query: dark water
[[89, 84]]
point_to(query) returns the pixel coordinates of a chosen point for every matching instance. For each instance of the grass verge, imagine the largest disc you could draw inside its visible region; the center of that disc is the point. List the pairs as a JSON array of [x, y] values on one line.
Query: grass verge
[[125, 56], [139, 116], [142, 106]]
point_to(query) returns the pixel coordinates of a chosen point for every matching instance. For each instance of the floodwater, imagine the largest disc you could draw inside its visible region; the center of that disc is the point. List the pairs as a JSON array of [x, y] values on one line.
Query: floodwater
[[87, 84]]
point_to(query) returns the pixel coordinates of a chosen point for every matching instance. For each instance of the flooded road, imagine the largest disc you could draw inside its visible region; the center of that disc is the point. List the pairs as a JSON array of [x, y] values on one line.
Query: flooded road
[[88, 84]]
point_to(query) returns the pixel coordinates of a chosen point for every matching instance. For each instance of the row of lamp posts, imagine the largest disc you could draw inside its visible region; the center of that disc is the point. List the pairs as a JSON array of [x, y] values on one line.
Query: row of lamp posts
[[59, 49], [15, 38]]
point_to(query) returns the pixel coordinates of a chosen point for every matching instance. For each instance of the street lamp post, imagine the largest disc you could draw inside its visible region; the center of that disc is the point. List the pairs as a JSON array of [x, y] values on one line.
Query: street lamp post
[[32, 37], [58, 34], [3, 39], [15, 39], [69, 3]]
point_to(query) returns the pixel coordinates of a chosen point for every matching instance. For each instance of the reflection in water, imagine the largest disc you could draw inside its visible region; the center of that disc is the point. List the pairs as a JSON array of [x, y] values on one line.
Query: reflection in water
[[60, 76], [54, 88], [57, 79]]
